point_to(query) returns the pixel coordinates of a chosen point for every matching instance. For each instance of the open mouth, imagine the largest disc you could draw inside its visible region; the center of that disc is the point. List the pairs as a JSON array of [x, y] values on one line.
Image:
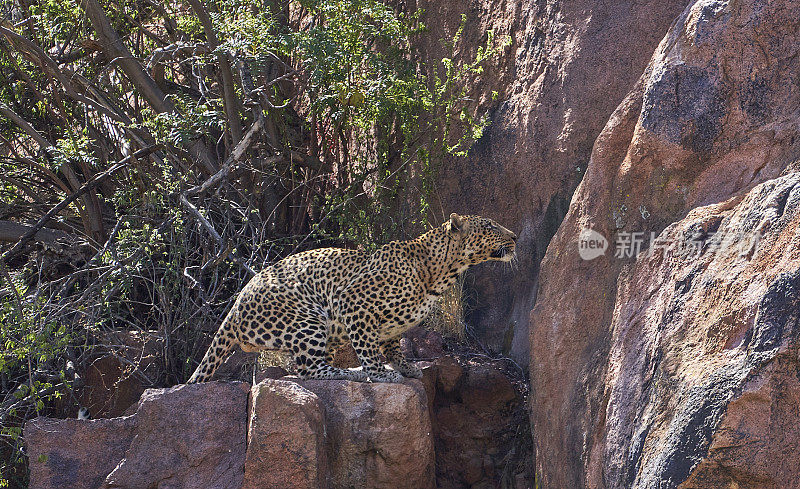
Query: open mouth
[[500, 252]]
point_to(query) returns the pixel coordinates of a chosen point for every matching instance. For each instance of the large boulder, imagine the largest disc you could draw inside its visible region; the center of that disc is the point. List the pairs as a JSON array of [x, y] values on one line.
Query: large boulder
[[285, 438], [75, 453], [630, 390], [756, 442], [315, 434], [569, 64], [379, 435], [703, 376], [188, 436]]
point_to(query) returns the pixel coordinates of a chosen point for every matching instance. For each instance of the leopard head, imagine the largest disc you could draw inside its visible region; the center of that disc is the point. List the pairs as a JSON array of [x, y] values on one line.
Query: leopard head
[[481, 239]]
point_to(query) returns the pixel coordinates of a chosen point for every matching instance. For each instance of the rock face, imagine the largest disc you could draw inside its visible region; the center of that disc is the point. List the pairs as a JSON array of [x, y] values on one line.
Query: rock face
[[379, 435], [671, 363], [703, 364], [569, 65], [756, 442], [315, 434], [188, 436], [285, 438]]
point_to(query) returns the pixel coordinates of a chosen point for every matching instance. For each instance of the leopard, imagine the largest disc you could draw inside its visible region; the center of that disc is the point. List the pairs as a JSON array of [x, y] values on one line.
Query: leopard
[[314, 302]]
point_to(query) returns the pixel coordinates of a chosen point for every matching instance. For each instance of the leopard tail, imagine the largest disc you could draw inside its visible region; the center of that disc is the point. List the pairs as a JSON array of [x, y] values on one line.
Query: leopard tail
[[221, 345]]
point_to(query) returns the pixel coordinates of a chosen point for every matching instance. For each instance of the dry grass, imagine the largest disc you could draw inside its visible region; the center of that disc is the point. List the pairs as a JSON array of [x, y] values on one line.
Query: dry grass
[[447, 316], [275, 358]]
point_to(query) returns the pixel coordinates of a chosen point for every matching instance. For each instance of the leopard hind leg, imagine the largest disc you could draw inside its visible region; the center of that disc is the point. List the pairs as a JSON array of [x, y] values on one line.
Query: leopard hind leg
[[391, 350], [312, 356]]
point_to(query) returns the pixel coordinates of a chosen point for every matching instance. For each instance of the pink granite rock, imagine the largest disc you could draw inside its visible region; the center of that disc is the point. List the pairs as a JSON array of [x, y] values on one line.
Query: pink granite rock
[[379, 435], [75, 453], [286, 438], [188, 436]]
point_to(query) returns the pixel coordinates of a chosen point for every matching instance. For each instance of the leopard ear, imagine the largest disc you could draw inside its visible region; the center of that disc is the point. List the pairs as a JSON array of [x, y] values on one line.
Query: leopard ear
[[456, 223]]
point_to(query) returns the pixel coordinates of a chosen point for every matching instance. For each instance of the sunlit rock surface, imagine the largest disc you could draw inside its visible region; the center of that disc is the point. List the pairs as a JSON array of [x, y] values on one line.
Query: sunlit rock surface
[[644, 368]]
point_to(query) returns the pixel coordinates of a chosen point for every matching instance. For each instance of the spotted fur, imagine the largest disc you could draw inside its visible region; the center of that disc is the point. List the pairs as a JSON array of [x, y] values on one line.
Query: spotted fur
[[313, 302]]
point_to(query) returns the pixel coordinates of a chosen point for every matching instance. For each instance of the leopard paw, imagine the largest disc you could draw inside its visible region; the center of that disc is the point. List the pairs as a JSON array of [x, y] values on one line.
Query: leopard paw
[[357, 374], [410, 370], [386, 376]]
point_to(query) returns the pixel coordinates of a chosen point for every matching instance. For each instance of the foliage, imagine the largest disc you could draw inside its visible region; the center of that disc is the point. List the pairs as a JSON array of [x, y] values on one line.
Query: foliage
[[345, 130], [33, 351]]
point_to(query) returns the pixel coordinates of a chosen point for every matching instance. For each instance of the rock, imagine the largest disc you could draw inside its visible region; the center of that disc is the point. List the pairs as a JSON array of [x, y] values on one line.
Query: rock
[[379, 435], [116, 377], [188, 436], [237, 367], [271, 372], [74, 453], [312, 434], [704, 358], [449, 373], [429, 374], [286, 438], [345, 357], [183, 437], [420, 342], [630, 390], [489, 389], [110, 387], [568, 67], [756, 441]]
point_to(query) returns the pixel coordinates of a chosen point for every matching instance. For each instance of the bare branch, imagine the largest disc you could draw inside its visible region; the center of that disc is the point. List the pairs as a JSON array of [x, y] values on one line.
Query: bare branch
[[36, 55], [236, 155], [213, 232], [115, 49], [25, 126], [71, 198], [228, 89], [202, 219], [11, 232]]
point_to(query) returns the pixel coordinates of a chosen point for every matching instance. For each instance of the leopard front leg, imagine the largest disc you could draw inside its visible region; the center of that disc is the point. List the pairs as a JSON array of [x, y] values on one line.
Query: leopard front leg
[[365, 342], [391, 350]]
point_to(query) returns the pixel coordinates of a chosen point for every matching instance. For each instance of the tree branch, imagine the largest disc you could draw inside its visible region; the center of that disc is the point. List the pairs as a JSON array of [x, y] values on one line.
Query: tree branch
[[116, 50], [11, 232], [228, 89], [14, 250], [236, 155], [25, 126], [213, 232], [35, 54]]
